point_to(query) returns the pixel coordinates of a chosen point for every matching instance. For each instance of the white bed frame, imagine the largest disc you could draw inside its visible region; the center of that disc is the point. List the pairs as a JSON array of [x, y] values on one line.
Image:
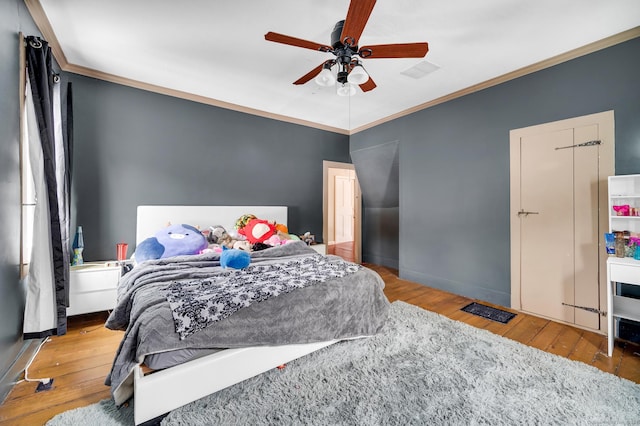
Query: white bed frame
[[151, 219], [162, 391]]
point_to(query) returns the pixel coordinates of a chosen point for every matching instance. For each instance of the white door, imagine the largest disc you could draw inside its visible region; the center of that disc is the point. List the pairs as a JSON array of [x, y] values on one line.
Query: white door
[[329, 234], [547, 252], [344, 208], [559, 175]]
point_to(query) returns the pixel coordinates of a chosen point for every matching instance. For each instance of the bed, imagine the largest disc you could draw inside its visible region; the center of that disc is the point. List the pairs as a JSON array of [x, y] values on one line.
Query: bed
[[330, 300]]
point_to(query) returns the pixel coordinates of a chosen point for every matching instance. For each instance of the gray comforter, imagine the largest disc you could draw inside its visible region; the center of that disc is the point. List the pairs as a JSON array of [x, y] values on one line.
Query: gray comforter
[[350, 306]]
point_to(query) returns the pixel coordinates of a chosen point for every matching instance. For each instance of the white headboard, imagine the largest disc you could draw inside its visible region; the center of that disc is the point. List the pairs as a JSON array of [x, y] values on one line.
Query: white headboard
[[151, 219]]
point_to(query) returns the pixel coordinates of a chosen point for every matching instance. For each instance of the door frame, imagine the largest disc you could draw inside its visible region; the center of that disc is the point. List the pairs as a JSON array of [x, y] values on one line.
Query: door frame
[[605, 121], [357, 221]]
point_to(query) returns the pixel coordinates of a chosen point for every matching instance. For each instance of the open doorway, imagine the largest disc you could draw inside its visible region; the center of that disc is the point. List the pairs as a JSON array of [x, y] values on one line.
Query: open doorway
[[342, 211]]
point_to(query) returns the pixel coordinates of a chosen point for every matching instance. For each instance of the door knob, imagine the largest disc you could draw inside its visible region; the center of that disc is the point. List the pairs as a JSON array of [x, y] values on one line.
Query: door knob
[[525, 214]]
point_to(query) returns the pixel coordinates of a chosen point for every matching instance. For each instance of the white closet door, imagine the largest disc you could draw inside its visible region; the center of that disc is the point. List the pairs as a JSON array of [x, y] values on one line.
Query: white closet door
[[547, 248], [559, 214]]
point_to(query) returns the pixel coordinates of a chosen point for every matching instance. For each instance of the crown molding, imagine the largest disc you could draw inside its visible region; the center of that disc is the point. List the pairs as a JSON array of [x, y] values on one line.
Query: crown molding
[[43, 24], [547, 63], [88, 72]]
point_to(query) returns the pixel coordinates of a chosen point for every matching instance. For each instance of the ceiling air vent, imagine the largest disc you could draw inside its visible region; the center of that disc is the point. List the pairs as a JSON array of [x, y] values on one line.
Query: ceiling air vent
[[420, 69]]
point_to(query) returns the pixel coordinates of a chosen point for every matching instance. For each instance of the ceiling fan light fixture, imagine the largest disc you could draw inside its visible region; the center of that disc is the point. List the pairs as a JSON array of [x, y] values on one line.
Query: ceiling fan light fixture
[[346, 89], [348, 70], [358, 75], [325, 78]]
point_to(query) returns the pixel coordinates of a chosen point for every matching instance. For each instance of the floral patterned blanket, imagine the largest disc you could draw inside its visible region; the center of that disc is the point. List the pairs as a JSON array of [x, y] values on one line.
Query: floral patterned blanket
[[197, 304]]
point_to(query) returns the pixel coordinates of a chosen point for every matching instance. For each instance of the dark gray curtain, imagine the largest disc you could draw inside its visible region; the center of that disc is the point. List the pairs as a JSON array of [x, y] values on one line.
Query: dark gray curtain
[[45, 103]]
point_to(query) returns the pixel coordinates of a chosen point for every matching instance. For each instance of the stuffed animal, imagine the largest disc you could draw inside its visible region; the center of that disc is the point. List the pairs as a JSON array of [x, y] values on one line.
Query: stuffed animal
[[217, 234], [277, 240], [213, 248], [242, 245], [243, 220], [174, 240], [258, 230], [260, 246], [282, 228], [234, 258]]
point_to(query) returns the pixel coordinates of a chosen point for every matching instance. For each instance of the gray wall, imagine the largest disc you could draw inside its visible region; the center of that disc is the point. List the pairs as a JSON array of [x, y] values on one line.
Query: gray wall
[[378, 173], [14, 18], [134, 147], [454, 166]]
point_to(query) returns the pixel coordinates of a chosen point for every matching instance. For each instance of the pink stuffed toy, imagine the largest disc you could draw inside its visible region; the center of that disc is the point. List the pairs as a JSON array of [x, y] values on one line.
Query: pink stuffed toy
[[275, 240]]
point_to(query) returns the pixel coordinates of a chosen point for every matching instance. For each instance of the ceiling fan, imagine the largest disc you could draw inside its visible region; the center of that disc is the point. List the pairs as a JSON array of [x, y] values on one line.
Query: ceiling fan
[[344, 46]]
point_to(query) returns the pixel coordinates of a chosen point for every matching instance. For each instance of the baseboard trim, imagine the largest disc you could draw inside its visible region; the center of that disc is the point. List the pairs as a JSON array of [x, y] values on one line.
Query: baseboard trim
[[380, 260], [472, 292], [13, 373]]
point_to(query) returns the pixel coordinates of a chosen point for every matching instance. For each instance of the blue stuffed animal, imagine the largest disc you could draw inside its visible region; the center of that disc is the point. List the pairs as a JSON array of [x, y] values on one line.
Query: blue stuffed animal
[[174, 240], [234, 258]]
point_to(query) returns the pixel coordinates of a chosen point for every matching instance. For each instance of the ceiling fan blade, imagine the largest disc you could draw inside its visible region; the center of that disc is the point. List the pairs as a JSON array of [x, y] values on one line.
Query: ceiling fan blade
[[308, 76], [357, 17], [368, 85], [293, 41], [401, 50]]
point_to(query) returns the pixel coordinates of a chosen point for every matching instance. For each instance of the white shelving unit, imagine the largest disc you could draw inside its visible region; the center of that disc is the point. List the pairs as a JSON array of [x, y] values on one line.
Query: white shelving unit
[[623, 190]]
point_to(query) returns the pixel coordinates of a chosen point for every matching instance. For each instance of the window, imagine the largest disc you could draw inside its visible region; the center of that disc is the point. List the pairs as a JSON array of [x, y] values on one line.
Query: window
[[27, 191]]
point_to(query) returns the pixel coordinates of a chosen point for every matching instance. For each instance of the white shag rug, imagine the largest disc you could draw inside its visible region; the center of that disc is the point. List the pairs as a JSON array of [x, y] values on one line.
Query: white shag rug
[[422, 369]]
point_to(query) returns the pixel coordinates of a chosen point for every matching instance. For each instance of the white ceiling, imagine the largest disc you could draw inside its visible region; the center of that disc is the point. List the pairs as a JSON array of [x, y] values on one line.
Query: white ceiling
[[217, 50]]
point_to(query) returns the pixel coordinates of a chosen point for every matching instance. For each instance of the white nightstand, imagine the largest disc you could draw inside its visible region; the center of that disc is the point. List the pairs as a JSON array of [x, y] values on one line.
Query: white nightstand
[[320, 248], [92, 287]]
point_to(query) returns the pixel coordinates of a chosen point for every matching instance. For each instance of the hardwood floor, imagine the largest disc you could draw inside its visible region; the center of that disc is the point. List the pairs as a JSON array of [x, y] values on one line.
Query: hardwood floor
[[80, 360]]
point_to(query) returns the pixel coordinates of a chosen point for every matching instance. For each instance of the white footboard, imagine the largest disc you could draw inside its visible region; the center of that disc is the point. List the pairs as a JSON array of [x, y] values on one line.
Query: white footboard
[[160, 392]]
